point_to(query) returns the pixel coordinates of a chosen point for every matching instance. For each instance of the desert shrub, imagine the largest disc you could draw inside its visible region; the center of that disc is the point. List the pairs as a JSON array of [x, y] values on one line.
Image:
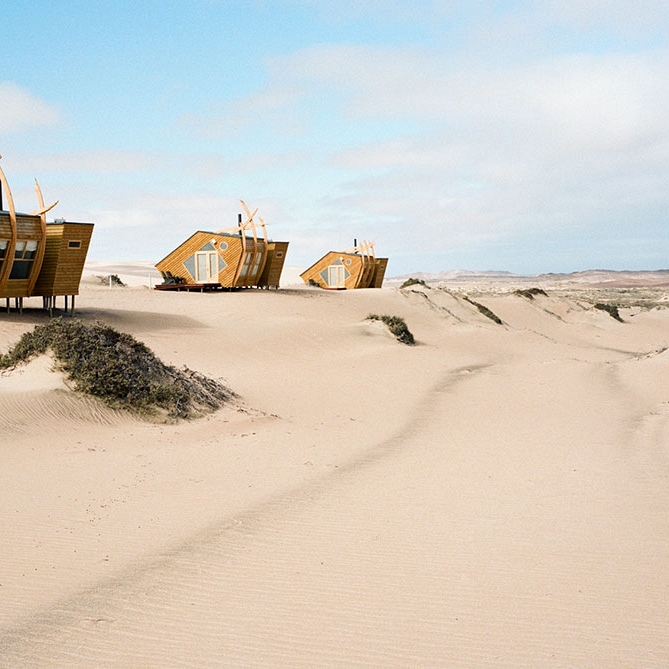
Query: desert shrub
[[413, 282], [611, 309], [397, 325], [118, 369], [112, 279], [529, 293], [484, 310]]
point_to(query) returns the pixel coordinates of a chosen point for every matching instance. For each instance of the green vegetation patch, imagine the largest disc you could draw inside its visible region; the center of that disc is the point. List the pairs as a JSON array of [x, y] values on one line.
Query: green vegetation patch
[[611, 309], [414, 282], [484, 310], [119, 370], [529, 293], [397, 325]]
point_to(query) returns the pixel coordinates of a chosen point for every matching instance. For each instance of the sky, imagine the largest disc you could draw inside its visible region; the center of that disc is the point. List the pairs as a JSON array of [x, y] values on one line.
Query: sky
[[527, 136]]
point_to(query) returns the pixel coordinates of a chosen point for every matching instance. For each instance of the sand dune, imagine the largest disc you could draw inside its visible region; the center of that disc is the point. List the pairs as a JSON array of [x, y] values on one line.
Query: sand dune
[[37, 396], [495, 496]]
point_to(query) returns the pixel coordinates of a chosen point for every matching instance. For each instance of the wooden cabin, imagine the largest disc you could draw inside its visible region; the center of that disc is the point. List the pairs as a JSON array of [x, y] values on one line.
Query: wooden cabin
[[65, 253], [344, 270], [230, 258], [39, 258]]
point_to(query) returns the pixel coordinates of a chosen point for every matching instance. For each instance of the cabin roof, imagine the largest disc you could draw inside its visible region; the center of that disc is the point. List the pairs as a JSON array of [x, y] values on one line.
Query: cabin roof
[[23, 215], [19, 213], [67, 223]]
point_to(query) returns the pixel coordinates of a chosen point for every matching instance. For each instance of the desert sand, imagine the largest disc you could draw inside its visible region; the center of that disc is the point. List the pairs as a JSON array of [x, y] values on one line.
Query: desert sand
[[494, 496]]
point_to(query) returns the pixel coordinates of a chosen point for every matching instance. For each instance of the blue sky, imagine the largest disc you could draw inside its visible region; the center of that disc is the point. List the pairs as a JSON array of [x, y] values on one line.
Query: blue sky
[[523, 136]]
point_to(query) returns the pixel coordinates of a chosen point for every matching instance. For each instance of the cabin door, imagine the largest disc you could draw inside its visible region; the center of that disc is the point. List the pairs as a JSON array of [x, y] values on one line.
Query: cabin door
[[206, 267], [336, 276]]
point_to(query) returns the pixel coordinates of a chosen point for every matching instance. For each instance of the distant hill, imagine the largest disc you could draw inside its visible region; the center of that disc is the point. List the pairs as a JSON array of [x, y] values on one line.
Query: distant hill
[[594, 277]]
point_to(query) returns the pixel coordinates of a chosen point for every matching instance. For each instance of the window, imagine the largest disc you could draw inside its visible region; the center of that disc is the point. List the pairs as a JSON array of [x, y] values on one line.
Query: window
[[31, 250], [3, 248], [24, 254], [256, 263], [74, 244], [247, 263]]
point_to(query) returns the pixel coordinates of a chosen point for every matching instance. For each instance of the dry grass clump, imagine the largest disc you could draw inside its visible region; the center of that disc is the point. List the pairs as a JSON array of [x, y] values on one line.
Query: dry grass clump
[[529, 293], [119, 370], [110, 279], [413, 282], [397, 325], [484, 310], [611, 309]]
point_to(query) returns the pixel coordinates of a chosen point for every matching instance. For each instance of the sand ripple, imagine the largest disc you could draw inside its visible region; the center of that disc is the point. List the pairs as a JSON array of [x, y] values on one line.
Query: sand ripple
[[423, 552], [60, 409]]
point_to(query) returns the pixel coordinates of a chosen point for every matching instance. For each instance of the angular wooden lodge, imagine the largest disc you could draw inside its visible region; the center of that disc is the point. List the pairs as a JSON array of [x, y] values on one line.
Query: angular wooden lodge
[[39, 258], [343, 270], [231, 258]]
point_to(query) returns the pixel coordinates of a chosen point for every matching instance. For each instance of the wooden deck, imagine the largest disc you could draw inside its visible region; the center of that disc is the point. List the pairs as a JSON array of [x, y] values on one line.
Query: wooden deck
[[201, 287]]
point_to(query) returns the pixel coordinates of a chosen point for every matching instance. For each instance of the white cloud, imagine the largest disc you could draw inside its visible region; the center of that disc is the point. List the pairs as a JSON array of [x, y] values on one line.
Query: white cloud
[[493, 152], [615, 96], [623, 18], [21, 111], [102, 161], [272, 108]]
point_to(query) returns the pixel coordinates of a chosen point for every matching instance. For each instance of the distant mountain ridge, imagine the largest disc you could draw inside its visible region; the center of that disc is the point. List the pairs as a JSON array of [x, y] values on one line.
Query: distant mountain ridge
[[656, 277]]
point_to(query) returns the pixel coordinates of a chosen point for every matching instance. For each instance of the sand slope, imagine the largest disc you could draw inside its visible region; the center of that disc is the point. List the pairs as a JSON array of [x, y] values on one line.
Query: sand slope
[[495, 496]]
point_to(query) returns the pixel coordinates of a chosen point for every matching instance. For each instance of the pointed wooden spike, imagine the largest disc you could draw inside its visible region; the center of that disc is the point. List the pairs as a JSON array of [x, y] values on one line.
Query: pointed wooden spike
[[8, 193], [246, 209], [43, 210], [264, 227], [38, 191]]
